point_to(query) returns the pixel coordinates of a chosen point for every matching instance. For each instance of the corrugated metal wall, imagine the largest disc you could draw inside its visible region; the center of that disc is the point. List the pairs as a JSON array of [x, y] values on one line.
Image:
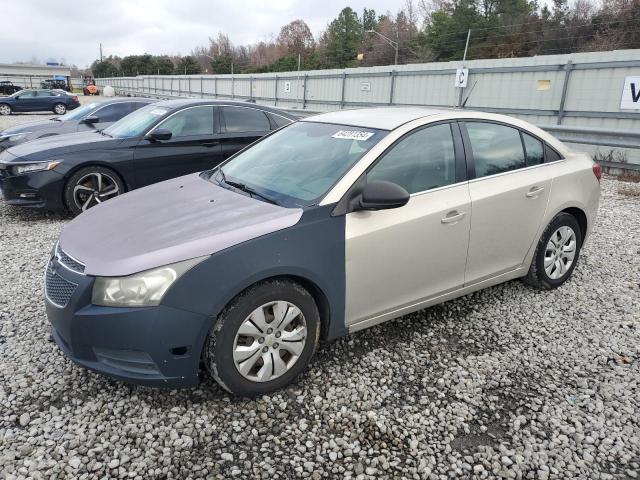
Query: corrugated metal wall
[[578, 89]]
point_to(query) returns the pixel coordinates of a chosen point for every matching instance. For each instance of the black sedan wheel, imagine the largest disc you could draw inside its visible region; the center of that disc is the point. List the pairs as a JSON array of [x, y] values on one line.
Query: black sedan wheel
[[59, 109], [263, 339], [5, 109], [90, 186]]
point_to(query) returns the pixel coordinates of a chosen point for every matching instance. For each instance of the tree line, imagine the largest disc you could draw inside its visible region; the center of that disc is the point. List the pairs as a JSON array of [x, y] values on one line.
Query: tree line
[[427, 31]]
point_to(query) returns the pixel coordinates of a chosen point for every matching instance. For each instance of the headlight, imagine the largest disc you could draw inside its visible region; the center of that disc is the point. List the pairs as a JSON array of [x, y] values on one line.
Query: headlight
[[142, 289], [15, 137], [34, 167]]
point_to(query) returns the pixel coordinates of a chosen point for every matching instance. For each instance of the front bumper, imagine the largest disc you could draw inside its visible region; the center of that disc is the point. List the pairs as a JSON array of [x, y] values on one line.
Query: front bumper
[[153, 346], [36, 189]]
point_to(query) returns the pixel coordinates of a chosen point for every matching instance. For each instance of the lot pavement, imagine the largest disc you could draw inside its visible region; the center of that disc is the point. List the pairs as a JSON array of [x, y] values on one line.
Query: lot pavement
[[505, 383]]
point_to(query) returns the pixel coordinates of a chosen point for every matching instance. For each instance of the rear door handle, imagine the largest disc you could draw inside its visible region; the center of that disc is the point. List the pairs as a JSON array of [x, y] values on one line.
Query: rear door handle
[[210, 144], [534, 192], [453, 217]]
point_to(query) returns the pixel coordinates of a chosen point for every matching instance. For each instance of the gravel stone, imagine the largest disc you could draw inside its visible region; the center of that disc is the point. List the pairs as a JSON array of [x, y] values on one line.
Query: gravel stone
[[508, 382]]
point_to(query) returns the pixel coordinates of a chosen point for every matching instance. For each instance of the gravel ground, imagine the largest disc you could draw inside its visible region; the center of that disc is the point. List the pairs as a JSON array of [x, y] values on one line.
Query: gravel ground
[[505, 383]]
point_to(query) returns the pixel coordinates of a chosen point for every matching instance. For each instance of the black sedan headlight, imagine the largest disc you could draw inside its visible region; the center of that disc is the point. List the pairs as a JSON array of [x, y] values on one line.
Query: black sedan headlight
[[21, 168], [7, 140]]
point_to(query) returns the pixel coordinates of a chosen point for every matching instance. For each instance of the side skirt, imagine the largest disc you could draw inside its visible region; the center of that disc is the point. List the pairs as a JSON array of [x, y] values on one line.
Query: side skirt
[[505, 277]]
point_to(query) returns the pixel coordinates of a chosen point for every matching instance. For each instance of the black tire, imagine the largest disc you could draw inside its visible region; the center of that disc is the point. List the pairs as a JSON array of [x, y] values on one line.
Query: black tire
[[59, 109], [218, 349], [84, 177], [537, 276], [5, 109]]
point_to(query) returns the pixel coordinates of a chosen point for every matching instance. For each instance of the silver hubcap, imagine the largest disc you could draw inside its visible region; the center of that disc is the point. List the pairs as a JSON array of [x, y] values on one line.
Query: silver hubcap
[[269, 341], [560, 252], [94, 188], [4, 110], [60, 109]]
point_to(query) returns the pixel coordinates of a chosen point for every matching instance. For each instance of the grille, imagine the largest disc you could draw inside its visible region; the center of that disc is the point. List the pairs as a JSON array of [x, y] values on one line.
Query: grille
[[68, 261], [57, 289]]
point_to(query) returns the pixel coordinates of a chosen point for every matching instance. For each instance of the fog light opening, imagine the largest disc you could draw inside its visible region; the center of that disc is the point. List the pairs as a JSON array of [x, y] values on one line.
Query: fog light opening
[[180, 351]]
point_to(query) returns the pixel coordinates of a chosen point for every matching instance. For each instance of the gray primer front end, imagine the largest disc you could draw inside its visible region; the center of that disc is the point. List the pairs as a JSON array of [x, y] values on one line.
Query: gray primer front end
[[168, 222]]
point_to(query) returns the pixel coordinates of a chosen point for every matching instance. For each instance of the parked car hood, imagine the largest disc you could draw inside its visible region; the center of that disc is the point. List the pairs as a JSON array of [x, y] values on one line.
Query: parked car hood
[[180, 219], [29, 127], [57, 145]]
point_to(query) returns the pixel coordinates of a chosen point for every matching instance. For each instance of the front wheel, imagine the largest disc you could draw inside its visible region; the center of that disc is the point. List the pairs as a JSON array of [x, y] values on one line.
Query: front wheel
[[263, 339], [5, 109], [59, 109], [557, 253], [90, 186]]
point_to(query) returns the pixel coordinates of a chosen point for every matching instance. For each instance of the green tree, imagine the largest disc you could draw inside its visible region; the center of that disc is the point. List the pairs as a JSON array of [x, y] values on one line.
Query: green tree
[[342, 39], [107, 68], [187, 66], [162, 65]]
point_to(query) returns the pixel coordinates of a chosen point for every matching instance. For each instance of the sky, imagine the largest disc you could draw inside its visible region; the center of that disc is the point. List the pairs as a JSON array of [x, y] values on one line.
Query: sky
[[72, 30]]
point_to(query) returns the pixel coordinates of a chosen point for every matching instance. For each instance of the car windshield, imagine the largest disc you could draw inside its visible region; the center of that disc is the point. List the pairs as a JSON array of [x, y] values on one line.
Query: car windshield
[[135, 124], [78, 113], [297, 165]]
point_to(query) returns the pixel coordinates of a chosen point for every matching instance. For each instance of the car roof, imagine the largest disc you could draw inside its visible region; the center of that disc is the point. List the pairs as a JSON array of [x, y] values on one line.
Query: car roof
[[188, 102], [384, 118], [126, 99]]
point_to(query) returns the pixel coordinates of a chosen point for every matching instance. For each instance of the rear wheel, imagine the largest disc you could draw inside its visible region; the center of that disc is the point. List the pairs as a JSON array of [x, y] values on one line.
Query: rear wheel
[[59, 109], [557, 253], [263, 339], [90, 186], [5, 109]]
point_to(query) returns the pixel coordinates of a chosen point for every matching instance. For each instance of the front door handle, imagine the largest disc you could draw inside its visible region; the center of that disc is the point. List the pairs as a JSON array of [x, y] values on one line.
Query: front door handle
[[453, 217], [534, 192], [210, 144]]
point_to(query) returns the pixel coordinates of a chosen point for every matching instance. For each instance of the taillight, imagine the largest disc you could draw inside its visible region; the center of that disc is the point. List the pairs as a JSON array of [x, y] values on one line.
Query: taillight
[[74, 98], [597, 171]]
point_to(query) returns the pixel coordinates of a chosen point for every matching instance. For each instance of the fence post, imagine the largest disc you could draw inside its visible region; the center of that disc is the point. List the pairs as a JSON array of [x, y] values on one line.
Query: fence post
[[233, 87], [201, 87], [215, 86], [251, 87], [344, 80], [275, 92], [565, 86], [392, 86], [304, 91]]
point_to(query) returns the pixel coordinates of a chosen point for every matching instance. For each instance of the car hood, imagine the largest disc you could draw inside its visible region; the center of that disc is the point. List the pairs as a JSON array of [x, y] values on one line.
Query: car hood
[[180, 219], [57, 145], [29, 127]]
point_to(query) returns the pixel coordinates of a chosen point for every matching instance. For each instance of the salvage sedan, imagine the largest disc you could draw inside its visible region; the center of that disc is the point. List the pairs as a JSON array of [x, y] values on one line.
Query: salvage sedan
[[333, 224], [168, 139], [90, 117]]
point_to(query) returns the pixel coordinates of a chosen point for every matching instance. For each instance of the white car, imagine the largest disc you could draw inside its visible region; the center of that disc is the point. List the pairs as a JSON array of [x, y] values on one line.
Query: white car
[[329, 225]]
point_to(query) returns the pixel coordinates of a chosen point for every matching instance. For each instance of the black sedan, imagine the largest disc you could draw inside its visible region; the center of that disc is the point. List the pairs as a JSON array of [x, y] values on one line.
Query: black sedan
[[89, 117], [157, 142], [56, 101]]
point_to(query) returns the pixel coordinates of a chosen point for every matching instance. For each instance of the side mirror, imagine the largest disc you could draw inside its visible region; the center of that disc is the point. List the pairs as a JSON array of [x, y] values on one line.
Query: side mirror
[[91, 120], [159, 135], [380, 195]]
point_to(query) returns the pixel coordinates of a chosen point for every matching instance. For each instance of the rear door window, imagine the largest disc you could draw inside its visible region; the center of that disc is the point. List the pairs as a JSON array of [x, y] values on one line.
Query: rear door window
[[496, 148], [534, 150], [243, 119]]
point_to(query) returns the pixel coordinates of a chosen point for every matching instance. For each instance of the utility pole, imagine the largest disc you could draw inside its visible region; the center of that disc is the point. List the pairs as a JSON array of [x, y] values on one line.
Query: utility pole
[[389, 41], [101, 52]]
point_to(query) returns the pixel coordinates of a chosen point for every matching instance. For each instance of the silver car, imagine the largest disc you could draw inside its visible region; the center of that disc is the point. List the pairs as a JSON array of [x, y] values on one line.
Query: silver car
[[332, 224]]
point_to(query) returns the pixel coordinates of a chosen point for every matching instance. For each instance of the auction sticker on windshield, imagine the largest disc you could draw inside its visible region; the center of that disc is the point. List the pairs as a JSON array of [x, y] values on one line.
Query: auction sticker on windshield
[[352, 135], [158, 111]]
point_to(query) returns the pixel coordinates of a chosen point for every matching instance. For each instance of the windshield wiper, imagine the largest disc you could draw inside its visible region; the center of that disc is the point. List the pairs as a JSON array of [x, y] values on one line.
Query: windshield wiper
[[55, 119], [245, 188], [102, 132]]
